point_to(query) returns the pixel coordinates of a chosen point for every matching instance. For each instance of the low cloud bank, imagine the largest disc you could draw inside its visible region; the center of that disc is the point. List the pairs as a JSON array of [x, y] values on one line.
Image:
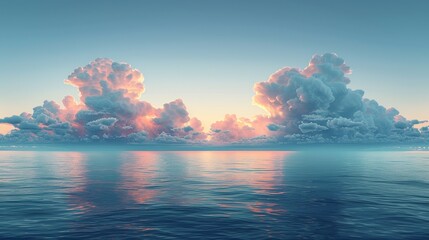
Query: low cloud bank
[[315, 105], [109, 109], [310, 105]]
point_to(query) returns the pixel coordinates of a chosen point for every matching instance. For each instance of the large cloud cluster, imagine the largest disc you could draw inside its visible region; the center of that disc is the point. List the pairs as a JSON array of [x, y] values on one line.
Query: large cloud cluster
[[310, 105], [315, 105], [109, 109]]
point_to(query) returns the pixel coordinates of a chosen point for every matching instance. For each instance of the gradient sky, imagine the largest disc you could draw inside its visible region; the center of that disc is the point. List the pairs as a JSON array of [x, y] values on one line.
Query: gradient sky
[[211, 53]]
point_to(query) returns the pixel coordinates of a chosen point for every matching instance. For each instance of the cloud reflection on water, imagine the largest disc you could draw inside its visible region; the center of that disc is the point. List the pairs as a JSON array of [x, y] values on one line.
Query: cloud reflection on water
[[138, 171]]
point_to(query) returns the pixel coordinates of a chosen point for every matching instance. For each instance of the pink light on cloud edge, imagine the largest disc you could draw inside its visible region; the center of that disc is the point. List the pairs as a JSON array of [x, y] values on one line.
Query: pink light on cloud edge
[[308, 105]]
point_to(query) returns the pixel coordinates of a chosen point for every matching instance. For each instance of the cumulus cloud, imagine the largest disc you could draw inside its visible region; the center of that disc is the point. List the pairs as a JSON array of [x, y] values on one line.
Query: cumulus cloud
[[315, 104], [311, 127], [310, 105], [233, 129], [109, 109]]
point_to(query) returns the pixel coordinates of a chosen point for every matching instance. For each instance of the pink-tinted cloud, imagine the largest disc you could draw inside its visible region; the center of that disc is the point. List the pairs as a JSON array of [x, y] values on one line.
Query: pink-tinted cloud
[[313, 104], [109, 109], [117, 76]]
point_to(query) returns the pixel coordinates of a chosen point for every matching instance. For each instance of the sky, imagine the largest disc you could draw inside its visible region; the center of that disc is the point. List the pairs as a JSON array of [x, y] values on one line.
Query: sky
[[211, 53]]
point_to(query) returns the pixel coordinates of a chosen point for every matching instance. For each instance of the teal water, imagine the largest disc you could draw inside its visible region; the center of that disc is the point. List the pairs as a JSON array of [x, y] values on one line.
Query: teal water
[[306, 194]]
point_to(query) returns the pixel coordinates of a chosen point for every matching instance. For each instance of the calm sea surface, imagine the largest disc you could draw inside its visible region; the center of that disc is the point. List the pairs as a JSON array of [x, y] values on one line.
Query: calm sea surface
[[314, 194]]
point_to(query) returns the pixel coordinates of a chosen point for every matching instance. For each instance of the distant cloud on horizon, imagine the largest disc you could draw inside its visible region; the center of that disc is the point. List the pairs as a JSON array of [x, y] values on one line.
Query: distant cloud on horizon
[[310, 105], [109, 110]]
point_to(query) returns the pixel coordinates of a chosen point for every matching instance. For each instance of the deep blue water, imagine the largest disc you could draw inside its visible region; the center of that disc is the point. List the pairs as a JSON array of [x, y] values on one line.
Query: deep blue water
[[306, 194]]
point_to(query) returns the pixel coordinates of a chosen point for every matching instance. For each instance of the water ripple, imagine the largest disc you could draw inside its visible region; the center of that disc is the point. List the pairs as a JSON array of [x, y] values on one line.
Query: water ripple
[[214, 195]]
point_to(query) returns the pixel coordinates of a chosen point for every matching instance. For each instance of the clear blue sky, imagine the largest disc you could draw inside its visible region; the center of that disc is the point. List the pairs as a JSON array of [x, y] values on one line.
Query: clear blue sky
[[210, 53]]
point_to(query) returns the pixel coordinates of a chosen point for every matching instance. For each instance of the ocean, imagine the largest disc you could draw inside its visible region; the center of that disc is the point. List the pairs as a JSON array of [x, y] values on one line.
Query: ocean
[[309, 193]]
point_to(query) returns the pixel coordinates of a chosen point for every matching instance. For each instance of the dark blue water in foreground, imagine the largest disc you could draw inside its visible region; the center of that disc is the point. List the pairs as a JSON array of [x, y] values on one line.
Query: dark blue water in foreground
[[312, 194]]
